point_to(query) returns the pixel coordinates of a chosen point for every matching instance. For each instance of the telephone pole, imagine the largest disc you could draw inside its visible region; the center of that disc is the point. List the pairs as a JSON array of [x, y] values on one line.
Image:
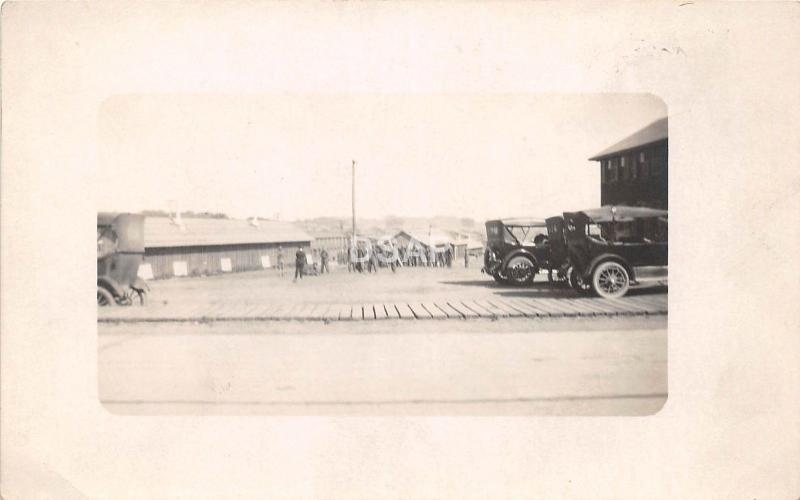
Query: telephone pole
[[354, 202]]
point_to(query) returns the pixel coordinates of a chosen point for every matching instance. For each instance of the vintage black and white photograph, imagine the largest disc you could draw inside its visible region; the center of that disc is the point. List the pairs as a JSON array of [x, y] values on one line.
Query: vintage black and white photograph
[[396, 254], [399, 250]]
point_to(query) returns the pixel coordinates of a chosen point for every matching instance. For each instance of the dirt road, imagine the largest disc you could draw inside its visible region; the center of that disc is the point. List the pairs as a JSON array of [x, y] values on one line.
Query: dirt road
[[504, 367]]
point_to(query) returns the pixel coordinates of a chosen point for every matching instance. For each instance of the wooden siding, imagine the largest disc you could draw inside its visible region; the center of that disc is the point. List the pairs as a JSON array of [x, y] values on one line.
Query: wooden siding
[[336, 245], [331, 243], [205, 260], [636, 183]]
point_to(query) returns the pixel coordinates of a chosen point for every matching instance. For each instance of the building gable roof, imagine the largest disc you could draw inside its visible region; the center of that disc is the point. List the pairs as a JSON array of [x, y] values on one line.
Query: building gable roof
[[427, 237], [163, 232], [655, 132]]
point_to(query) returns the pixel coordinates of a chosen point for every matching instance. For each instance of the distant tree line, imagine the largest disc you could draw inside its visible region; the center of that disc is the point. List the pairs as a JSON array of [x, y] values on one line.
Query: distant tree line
[[188, 214]]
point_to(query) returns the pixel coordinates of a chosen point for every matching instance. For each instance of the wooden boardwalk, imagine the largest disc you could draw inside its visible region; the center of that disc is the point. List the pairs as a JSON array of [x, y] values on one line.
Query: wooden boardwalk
[[451, 309]]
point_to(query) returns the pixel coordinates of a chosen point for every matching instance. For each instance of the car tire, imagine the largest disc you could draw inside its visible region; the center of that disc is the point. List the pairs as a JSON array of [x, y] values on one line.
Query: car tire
[[610, 280], [576, 282], [520, 271], [104, 297], [500, 279]]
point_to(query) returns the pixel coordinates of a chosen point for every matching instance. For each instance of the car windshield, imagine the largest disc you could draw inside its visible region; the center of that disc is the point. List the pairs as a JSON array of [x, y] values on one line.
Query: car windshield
[[525, 235]]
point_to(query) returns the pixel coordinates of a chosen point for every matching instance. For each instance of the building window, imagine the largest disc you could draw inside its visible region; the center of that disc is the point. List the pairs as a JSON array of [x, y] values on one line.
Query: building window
[[644, 165], [634, 167], [614, 169], [604, 171]]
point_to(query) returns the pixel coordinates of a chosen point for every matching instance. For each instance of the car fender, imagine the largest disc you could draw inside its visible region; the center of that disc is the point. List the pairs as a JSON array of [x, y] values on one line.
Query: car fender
[[515, 253], [608, 257], [110, 285]]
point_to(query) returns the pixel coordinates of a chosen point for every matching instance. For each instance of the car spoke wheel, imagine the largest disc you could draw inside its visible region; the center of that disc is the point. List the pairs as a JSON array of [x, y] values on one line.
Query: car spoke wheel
[[610, 280], [104, 297], [520, 271], [500, 278]]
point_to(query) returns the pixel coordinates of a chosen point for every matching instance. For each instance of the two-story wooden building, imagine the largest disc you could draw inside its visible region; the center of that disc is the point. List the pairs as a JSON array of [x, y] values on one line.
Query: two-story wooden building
[[634, 170]]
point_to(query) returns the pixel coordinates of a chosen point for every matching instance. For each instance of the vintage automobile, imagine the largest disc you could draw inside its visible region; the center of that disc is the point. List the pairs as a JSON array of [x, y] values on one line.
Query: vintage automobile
[[613, 248], [516, 249], [120, 251]]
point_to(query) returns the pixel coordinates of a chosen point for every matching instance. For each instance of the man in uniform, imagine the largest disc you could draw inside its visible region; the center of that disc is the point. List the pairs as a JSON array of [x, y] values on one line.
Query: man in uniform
[[299, 263], [323, 258], [280, 260], [372, 263], [351, 264]]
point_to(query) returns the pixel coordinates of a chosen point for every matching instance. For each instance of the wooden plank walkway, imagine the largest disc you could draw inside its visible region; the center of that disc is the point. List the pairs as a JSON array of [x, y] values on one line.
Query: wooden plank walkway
[[405, 312], [494, 307], [481, 311], [465, 311]]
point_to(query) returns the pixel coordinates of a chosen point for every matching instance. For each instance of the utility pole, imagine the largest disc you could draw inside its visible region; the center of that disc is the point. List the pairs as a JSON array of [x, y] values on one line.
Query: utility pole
[[354, 203]]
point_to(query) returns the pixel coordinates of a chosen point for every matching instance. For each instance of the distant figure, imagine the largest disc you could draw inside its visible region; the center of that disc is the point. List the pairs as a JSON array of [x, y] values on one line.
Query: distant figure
[[394, 255], [280, 261], [466, 258], [299, 263], [351, 265], [323, 262], [372, 264], [359, 259], [448, 256]]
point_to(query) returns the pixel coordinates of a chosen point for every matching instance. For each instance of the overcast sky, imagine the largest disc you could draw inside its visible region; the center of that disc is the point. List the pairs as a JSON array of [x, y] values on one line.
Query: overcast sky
[[417, 155]]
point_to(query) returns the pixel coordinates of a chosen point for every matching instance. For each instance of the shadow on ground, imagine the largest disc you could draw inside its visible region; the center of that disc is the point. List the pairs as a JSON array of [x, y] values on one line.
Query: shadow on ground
[[544, 289], [567, 293], [539, 289], [490, 284]]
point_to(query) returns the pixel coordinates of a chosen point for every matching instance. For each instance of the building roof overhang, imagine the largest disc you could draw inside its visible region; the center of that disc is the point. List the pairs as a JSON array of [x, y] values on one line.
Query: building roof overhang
[[654, 133]]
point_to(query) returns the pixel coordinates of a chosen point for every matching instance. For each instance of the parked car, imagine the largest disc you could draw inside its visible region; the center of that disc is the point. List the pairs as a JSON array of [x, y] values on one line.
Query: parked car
[[516, 249], [613, 248], [120, 251]]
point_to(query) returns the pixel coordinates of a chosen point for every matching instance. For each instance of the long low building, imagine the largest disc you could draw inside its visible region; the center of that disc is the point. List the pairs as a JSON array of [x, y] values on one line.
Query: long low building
[[196, 247]]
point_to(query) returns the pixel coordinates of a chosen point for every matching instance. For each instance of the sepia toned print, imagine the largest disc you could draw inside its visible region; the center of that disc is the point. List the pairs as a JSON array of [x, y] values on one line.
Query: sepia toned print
[[238, 132], [500, 267]]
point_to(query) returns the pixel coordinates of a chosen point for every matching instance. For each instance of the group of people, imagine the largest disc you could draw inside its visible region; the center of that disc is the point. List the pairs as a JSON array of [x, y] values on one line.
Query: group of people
[[363, 259], [370, 258]]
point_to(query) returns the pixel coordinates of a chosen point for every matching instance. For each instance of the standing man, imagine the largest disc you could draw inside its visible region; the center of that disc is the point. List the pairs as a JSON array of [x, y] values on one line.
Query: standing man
[[466, 258], [323, 258], [351, 265], [299, 263], [280, 260], [373, 260]]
